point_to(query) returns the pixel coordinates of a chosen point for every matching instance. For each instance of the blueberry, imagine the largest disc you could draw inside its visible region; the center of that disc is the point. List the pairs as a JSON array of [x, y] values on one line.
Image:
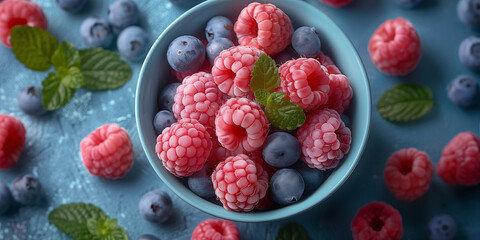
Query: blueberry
[[155, 206], [346, 120], [132, 43], [122, 13], [162, 120], [312, 177], [71, 5], [408, 3], [442, 227], [219, 26], [147, 237], [186, 53], [305, 41], [96, 32], [469, 52], [167, 96], [215, 46], [29, 100], [287, 54], [286, 186], [201, 183], [469, 12], [26, 190], [463, 90], [5, 198], [281, 150]]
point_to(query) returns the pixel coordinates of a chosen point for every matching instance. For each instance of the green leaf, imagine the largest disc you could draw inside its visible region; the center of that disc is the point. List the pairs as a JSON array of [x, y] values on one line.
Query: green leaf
[[265, 74], [106, 229], [292, 231], [55, 94], [103, 69], [33, 46], [66, 56], [262, 96], [277, 97], [405, 102], [283, 113], [71, 77]]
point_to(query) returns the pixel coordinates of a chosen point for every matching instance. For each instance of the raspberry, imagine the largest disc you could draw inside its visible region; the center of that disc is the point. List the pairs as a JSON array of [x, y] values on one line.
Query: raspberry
[[460, 162], [377, 221], [239, 183], [19, 12], [324, 139], [107, 152], [12, 140], [184, 147], [305, 82], [395, 47], [265, 27], [216, 229], [408, 173], [198, 98], [337, 3], [241, 125], [328, 63], [233, 68]]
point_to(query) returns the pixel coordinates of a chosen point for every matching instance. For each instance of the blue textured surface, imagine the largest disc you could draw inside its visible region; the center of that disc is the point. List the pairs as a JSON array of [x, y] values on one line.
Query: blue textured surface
[[51, 151]]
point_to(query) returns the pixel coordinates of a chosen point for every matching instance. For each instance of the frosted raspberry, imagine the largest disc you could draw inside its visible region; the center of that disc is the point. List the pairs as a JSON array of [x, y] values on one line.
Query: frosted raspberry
[[324, 139], [239, 183], [460, 162], [408, 173], [328, 63], [233, 68], [198, 98], [12, 140], [19, 12], [216, 229], [241, 125], [107, 152], [305, 82], [395, 47], [265, 27], [377, 221], [336, 3]]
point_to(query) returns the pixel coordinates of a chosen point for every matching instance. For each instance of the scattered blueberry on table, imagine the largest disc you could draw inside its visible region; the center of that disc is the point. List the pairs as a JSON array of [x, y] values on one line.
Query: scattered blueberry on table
[[96, 32], [156, 206]]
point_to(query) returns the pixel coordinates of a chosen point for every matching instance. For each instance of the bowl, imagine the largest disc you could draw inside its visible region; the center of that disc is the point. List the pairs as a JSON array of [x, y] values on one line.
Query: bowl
[[154, 75]]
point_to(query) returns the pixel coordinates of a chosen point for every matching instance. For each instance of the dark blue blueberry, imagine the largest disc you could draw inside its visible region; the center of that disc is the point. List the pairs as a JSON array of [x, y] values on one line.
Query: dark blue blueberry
[[162, 120], [5, 198], [442, 227], [122, 13], [147, 237], [215, 46], [306, 42], [469, 52], [201, 183], [96, 32], [218, 27], [286, 55], [281, 150], [286, 186], [132, 43], [346, 120], [71, 5], [166, 98], [155, 206], [29, 100], [469, 12], [408, 3], [463, 90], [186, 53], [26, 190], [312, 177]]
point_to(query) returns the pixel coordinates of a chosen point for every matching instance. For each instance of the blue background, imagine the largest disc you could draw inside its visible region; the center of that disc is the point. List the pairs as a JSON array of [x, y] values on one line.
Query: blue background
[[52, 147]]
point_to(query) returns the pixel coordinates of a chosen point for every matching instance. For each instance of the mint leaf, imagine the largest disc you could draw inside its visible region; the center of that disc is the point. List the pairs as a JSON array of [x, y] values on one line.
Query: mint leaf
[[71, 77], [103, 69], [283, 113], [66, 56], [277, 97], [405, 102], [265, 74], [292, 231], [262, 96], [106, 229], [55, 93], [33, 46]]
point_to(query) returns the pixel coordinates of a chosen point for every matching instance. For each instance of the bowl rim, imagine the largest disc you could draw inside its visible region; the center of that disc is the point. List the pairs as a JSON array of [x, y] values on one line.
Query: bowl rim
[[241, 216]]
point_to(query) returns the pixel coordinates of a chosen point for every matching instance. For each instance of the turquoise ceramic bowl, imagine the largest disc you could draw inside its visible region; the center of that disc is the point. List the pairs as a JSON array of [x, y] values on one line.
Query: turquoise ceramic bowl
[[154, 75]]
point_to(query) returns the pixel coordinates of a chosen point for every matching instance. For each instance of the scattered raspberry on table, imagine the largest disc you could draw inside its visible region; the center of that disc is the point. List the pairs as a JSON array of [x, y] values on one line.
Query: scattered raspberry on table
[[217, 229], [336, 3], [377, 220], [12, 140]]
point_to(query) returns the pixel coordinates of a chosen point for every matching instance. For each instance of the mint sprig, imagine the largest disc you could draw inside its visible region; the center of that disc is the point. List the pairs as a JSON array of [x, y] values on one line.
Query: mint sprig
[[292, 231], [265, 74], [83, 221]]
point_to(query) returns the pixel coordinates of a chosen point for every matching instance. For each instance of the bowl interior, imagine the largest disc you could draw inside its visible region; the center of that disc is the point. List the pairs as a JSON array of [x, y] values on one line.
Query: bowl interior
[[155, 74]]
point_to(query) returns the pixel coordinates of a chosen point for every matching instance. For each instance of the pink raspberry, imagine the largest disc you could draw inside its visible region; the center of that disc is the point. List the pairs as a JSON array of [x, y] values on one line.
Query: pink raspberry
[[198, 98], [305, 82], [233, 68], [328, 63], [216, 229], [241, 125], [395, 47], [184, 147], [12, 140], [239, 183], [336, 3], [408, 173], [324, 139], [107, 152], [19, 12], [377, 221], [265, 27], [460, 162]]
